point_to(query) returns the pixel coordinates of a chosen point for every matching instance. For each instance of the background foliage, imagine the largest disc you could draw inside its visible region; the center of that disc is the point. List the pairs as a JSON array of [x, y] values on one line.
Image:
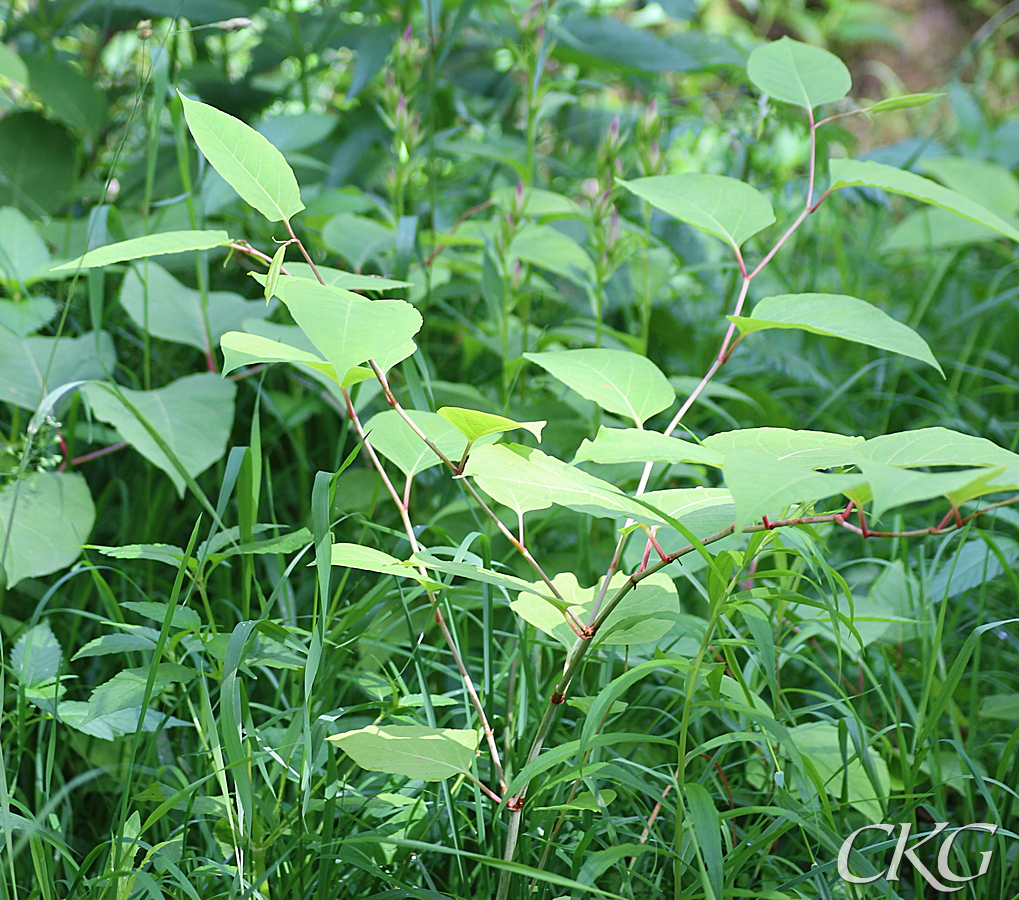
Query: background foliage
[[170, 688]]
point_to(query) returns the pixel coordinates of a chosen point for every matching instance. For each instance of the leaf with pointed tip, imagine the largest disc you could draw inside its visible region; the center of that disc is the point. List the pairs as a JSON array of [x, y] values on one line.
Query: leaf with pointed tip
[[368, 559], [798, 73], [36, 656], [612, 446], [242, 349], [245, 159], [618, 381], [544, 246], [891, 486], [855, 173], [486, 576], [143, 247], [808, 449], [126, 689], [906, 101], [348, 281], [391, 436], [726, 207], [837, 315], [414, 751], [347, 329], [192, 415], [474, 424]]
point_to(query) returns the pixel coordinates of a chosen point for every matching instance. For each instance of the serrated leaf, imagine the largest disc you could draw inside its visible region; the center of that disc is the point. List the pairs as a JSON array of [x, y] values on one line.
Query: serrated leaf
[[52, 521], [36, 656], [728, 208], [164, 553], [75, 713], [620, 382], [193, 415], [155, 300], [474, 424], [150, 245], [414, 751], [906, 101], [855, 173], [126, 689], [837, 315], [798, 73], [612, 446], [110, 644], [245, 159], [347, 329]]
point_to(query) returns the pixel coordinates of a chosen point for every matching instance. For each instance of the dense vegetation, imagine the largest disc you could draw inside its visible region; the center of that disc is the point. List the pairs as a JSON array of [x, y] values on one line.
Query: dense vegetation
[[501, 449]]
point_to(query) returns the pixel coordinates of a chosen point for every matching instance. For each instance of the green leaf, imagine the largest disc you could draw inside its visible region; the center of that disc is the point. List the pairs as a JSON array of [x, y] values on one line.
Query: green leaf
[[52, 522], [934, 447], [819, 743], [36, 656], [248, 162], [193, 415], [22, 317], [414, 751], [391, 436], [12, 67], [155, 299], [644, 615], [349, 330], [906, 101], [114, 644], [241, 349], [854, 173], [1004, 707], [183, 616], [618, 381], [111, 726], [348, 281], [273, 275], [764, 485], [150, 245], [797, 73], [169, 554], [933, 228], [892, 486], [525, 479], [357, 238], [368, 559], [612, 446], [126, 689], [728, 208], [809, 449], [23, 254], [973, 564], [38, 167], [983, 181], [73, 99], [841, 316], [705, 827], [485, 576], [27, 360], [544, 246], [474, 424]]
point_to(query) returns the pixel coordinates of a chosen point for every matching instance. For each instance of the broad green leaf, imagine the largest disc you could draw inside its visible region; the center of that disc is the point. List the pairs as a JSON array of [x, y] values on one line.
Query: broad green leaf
[[854, 173], [906, 101], [391, 436], [52, 522], [1004, 707], [808, 449], [368, 559], [644, 615], [126, 689], [819, 743], [797, 73], [892, 486], [22, 317], [936, 447], [476, 573], [114, 644], [150, 245], [538, 203], [357, 238], [704, 511], [155, 299], [985, 182], [349, 330], [111, 726], [837, 315], [348, 281], [36, 656], [38, 163], [932, 228], [474, 424], [618, 381], [525, 479], [544, 246], [765, 485], [248, 162], [183, 616], [12, 67], [23, 253], [612, 446], [241, 349], [728, 208], [193, 416], [27, 360], [971, 565], [414, 751], [69, 95]]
